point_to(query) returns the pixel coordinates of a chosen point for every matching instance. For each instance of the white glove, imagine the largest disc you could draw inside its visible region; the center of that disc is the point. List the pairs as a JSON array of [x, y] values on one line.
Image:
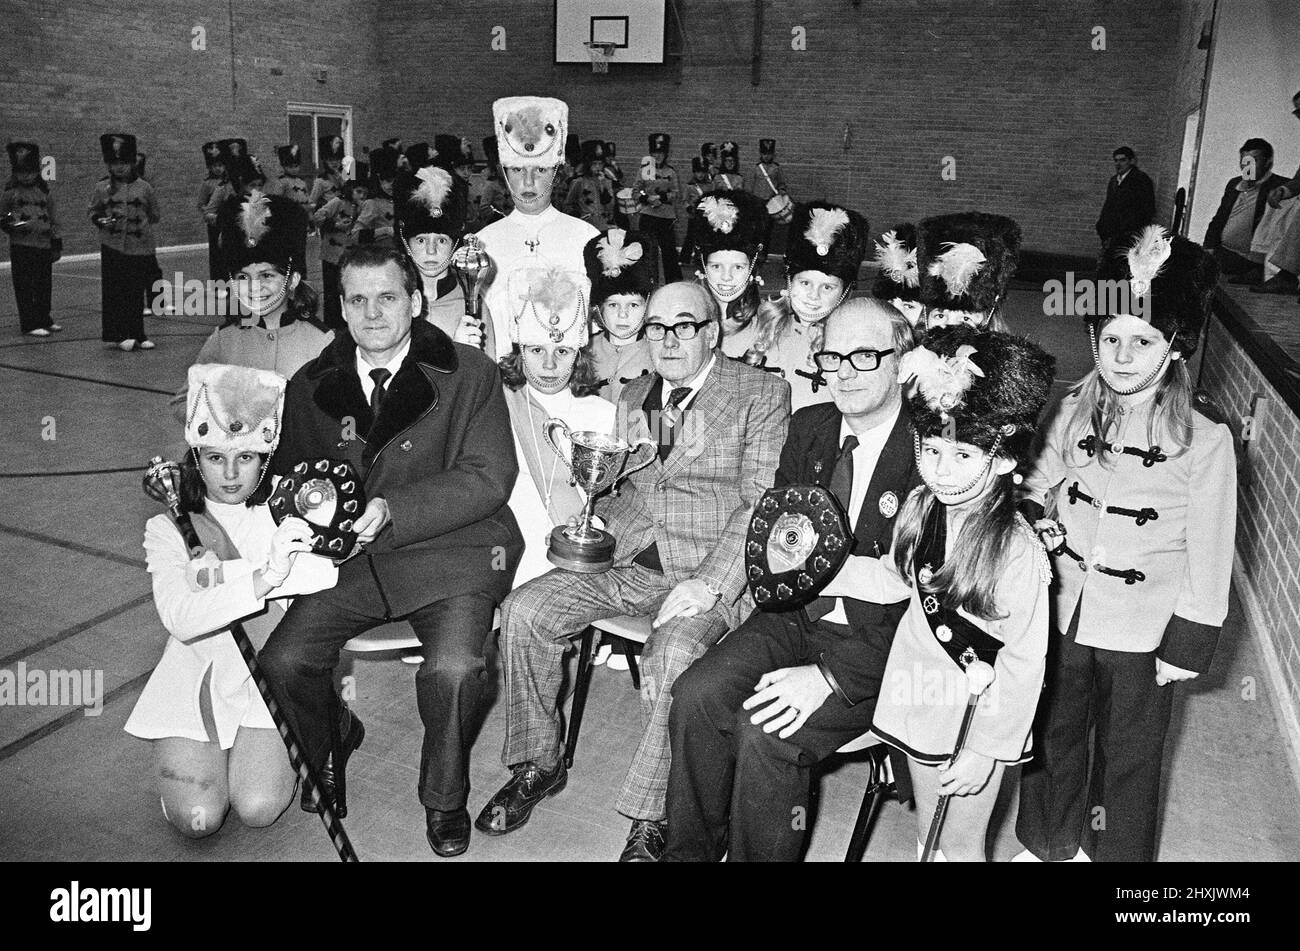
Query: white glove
[[293, 535], [469, 331]]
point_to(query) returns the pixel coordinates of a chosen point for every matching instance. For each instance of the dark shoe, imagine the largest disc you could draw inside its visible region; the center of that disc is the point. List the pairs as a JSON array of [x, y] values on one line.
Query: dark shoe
[[1280, 283], [448, 832], [645, 843], [513, 804], [334, 783]]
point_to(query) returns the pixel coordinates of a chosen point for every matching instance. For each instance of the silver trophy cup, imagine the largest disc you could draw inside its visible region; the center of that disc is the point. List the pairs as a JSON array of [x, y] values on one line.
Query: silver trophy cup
[[596, 461]]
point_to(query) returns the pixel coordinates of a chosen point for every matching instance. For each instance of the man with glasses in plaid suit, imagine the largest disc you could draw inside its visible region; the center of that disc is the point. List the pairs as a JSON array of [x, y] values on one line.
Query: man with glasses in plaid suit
[[680, 524]]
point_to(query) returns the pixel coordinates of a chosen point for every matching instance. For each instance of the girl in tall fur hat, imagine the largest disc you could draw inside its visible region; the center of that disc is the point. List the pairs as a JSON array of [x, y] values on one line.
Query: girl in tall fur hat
[[976, 575], [35, 242], [1137, 474], [215, 745], [826, 247], [623, 270], [965, 262], [548, 374], [899, 279], [273, 325], [728, 228]]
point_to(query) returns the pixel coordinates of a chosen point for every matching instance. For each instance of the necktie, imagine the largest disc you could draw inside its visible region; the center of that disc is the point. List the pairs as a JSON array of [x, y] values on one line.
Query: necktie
[[842, 488], [380, 376], [671, 420]]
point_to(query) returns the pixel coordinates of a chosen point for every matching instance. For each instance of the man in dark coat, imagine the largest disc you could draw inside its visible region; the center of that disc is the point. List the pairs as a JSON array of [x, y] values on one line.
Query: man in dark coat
[[1245, 198], [1130, 199], [787, 688], [425, 423]]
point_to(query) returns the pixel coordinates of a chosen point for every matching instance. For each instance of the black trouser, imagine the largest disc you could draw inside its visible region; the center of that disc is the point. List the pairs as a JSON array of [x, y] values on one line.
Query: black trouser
[[664, 231], [124, 281], [216, 266], [453, 687], [33, 273], [1113, 814], [729, 774], [333, 306]]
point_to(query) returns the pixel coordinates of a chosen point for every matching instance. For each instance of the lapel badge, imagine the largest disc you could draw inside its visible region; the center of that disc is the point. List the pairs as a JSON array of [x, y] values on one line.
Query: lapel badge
[[925, 574], [943, 632], [406, 445], [931, 604], [888, 504]]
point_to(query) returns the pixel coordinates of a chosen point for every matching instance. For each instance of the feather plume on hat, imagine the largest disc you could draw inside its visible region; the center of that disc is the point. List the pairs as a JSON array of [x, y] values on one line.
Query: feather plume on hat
[[614, 254], [898, 262], [255, 217], [435, 186], [1147, 256], [941, 381], [823, 225], [957, 266], [720, 213]]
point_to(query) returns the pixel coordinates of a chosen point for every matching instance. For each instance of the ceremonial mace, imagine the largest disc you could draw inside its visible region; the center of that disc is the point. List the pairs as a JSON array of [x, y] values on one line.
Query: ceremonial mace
[[472, 266], [162, 484], [978, 677]]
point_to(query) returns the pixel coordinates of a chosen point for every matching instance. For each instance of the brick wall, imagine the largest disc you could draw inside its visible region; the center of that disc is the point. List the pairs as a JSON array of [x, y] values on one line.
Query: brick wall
[[92, 67], [1267, 569], [1010, 88]]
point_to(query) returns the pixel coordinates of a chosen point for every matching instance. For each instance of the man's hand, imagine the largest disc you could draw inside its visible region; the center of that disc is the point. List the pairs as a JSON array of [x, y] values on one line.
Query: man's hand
[[469, 331], [1278, 195], [1168, 673], [966, 776], [372, 521], [689, 598], [792, 695]]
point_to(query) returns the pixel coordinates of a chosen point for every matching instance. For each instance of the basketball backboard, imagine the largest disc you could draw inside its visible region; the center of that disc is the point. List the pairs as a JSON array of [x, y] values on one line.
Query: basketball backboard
[[634, 27]]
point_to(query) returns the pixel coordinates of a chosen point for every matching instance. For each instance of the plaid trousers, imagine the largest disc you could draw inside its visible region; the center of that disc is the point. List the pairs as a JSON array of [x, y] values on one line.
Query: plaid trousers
[[538, 623]]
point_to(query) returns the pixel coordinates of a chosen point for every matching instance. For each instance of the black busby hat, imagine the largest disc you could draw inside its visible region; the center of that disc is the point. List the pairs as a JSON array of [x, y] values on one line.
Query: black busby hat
[[827, 238], [490, 149], [899, 281], [659, 142], [262, 229], [699, 164], [419, 155], [981, 387], [729, 148], [1170, 281], [383, 162], [572, 148], [233, 150], [212, 152], [329, 147], [610, 150], [593, 150], [117, 147], [966, 260], [706, 148], [289, 154], [450, 151], [422, 204], [621, 262], [729, 220], [766, 145], [24, 156]]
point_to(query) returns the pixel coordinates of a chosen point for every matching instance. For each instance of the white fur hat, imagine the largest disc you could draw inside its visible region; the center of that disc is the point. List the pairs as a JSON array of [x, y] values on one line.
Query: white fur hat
[[548, 304], [531, 130], [233, 408]]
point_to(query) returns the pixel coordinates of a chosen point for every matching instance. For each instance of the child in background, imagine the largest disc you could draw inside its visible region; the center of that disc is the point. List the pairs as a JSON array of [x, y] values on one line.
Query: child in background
[[336, 219], [124, 209], [590, 196], [27, 216]]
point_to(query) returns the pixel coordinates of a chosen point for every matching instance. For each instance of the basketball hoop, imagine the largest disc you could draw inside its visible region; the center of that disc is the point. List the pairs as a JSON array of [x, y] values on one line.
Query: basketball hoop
[[601, 54]]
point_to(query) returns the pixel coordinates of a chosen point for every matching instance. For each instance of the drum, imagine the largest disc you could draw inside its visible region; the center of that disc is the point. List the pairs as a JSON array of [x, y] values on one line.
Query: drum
[[627, 201], [781, 208], [798, 539]]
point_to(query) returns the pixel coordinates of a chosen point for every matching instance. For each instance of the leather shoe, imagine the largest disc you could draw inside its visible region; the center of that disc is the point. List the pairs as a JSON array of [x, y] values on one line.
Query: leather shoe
[[448, 832], [331, 787], [513, 804], [645, 843]]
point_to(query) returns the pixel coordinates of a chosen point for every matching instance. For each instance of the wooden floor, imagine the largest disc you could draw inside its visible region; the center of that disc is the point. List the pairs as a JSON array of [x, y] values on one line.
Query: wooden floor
[[75, 596]]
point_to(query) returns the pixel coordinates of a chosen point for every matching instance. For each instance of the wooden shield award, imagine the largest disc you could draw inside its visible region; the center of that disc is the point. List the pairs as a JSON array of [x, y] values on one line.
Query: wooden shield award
[[798, 539], [328, 495]]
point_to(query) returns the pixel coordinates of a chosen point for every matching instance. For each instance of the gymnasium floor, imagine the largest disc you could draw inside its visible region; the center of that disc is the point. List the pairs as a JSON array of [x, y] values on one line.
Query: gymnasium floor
[[76, 788]]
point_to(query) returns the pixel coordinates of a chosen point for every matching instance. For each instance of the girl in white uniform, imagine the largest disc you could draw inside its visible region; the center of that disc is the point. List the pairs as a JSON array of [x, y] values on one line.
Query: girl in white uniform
[[548, 374], [215, 745]]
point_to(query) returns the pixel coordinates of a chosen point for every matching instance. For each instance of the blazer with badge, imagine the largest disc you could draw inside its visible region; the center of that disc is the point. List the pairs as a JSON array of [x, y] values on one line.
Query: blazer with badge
[[809, 457], [440, 454], [1147, 558], [696, 505]]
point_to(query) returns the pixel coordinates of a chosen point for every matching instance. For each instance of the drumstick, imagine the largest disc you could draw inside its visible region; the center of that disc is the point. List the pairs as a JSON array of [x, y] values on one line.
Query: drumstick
[[978, 677]]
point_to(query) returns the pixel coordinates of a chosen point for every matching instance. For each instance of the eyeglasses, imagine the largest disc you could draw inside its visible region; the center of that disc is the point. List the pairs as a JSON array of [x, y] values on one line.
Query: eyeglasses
[[829, 360], [686, 330]]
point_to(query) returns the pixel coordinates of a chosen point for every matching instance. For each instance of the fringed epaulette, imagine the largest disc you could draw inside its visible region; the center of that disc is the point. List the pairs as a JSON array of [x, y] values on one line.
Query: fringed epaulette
[[1205, 404], [1041, 561]]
